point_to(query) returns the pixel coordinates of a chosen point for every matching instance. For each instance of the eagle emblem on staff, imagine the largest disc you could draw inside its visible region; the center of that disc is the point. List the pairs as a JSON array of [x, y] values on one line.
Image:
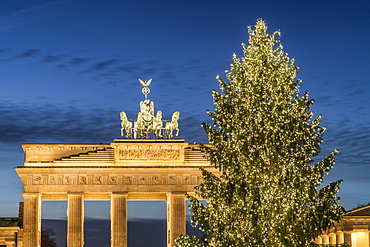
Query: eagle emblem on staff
[[145, 89]]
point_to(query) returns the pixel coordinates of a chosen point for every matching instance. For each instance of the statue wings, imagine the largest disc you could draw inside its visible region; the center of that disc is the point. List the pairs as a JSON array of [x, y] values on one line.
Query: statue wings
[[145, 83]]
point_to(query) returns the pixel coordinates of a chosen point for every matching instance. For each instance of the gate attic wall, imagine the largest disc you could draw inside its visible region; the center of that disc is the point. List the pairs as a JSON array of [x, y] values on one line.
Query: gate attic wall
[[118, 172]]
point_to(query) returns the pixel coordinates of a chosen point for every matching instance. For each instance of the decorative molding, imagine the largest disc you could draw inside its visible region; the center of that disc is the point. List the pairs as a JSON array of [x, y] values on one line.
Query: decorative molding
[[156, 180], [52, 180], [112, 180], [171, 179], [82, 180], [69, 179], [96, 180], [37, 180], [149, 154], [127, 180], [186, 180], [143, 180]]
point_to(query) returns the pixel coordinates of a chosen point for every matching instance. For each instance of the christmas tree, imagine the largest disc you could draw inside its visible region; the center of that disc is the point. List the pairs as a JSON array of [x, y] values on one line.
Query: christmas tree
[[268, 189]]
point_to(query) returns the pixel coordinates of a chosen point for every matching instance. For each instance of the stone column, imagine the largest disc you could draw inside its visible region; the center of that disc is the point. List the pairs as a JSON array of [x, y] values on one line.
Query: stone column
[[318, 240], [176, 216], [347, 237], [340, 237], [332, 238], [32, 220], [325, 239], [75, 220], [118, 217]]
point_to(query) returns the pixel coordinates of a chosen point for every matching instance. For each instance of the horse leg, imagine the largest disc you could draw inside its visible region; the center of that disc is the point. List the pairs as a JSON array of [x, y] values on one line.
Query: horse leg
[[169, 133], [135, 133], [128, 132]]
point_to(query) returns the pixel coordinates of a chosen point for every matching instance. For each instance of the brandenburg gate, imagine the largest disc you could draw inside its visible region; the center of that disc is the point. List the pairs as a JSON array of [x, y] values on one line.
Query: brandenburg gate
[[138, 168]]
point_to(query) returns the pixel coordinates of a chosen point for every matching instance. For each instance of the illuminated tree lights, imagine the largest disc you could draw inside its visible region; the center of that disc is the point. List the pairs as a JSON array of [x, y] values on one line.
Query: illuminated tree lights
[[264, 140]]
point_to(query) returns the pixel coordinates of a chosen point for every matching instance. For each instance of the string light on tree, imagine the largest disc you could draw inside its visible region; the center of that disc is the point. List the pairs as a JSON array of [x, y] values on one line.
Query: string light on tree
[[264, 142]]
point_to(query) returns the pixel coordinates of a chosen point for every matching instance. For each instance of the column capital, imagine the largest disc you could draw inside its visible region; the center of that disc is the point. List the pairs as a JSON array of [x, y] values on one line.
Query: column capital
[[75, 193], [31, 194], [119, 193], [31, 219], [176, 194]]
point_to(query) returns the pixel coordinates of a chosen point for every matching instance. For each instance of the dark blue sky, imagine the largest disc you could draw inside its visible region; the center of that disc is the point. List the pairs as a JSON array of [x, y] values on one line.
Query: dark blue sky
[[67, 68]]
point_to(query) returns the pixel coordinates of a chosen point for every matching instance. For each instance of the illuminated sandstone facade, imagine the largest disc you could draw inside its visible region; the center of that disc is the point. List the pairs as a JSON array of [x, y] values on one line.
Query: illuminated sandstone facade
[[10, 232], [353, 229], [127, 169]]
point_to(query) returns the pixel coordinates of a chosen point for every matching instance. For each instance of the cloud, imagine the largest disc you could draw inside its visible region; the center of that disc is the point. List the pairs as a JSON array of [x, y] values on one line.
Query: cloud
[[50, 123], [104, 75], [168, 75], [50, 59], [353, 142], [28, 53], [77, 61], [104, 64], [61, 66], [191, 130], [132, 68], [25, 123], [149, 71], [25, 16], [3, 51], [111, 71]]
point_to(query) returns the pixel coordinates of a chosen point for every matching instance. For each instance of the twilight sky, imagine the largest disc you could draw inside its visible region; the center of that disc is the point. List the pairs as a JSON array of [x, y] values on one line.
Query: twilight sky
[[68, 67]]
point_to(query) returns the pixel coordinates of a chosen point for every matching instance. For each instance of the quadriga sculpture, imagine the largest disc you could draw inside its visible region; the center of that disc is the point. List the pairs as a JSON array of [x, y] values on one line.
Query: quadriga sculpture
[[146, 122]]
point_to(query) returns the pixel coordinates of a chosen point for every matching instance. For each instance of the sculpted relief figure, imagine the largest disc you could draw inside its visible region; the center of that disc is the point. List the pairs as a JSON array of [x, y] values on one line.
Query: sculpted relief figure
[[147, 109], [146, 121]]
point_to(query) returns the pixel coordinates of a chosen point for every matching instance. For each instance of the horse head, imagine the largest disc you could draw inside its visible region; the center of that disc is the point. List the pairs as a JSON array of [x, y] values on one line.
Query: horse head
[[175, 116], [123, 115], [159, 115]]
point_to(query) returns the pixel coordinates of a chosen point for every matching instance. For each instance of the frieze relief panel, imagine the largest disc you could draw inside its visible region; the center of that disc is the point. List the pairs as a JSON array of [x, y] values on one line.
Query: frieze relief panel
[[37, 180], [171, 179], [82, 180], [156, 180], [127, 180], [52, 180], [99, 179], [149, 154], [114, 180], [69, 180]]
